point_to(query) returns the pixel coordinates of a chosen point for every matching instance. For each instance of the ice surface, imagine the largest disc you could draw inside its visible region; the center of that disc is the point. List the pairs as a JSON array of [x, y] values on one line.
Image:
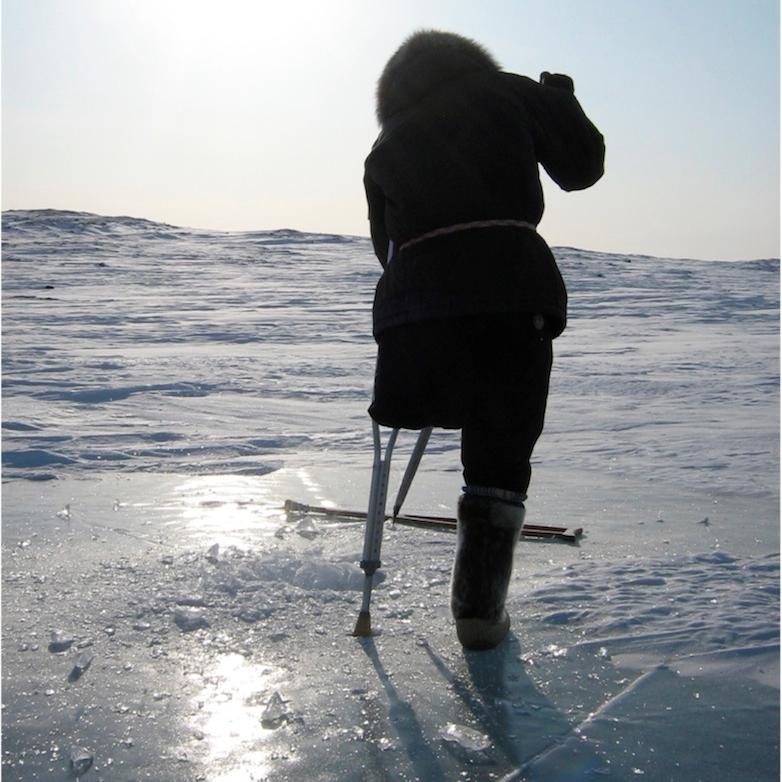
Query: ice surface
[[167, 389], [587, 624]]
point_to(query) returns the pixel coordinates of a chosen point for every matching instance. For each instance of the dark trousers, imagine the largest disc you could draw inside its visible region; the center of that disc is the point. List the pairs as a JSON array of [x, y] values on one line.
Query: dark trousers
[[487, 375]]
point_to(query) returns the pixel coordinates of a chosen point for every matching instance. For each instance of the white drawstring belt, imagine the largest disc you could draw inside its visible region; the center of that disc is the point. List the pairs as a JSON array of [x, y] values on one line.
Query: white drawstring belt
[[450, 229]]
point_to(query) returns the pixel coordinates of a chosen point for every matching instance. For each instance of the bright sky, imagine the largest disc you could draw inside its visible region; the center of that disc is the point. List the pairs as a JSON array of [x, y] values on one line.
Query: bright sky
[[232, 114]]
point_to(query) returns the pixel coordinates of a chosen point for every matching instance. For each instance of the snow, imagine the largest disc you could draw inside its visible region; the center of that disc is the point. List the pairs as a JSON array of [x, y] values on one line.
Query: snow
[[166, 389]]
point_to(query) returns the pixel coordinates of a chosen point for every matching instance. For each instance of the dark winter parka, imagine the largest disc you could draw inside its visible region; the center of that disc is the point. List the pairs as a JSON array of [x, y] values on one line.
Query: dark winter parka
[[461, 142]]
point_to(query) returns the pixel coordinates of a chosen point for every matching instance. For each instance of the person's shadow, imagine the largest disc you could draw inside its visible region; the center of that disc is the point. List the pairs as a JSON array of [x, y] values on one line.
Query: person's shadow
[[535, 738], [404, 719], [530, 735], [532, 740]]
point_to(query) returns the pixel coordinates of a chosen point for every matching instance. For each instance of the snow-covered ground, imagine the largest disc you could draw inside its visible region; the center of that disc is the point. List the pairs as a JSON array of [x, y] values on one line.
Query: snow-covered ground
[[165, 390]]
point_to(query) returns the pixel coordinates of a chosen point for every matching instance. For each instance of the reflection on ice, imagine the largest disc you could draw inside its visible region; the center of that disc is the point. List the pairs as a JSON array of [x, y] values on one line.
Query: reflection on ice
[[238, 711], [233, 510], [223, 511], [314, 488]]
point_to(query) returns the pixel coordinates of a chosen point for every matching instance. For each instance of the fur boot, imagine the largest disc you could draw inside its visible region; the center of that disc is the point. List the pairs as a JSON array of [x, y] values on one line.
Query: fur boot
[[487, 532]]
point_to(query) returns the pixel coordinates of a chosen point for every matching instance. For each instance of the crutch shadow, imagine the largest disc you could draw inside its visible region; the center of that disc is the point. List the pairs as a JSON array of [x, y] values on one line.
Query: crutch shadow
[[403, 717], [525, 727]]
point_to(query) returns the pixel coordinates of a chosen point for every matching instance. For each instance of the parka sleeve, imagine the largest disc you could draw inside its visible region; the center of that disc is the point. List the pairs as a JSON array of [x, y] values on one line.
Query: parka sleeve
[[376, 201], [567, 144]]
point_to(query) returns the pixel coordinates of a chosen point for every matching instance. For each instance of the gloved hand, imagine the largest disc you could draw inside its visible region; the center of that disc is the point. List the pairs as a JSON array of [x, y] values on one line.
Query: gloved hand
[[558, 80]]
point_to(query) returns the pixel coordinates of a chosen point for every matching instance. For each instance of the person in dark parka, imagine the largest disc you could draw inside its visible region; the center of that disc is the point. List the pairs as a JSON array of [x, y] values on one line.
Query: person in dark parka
[[470, 297]]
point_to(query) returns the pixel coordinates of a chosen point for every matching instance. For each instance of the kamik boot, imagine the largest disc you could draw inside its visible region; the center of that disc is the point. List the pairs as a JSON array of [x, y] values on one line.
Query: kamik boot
[[487, 531]]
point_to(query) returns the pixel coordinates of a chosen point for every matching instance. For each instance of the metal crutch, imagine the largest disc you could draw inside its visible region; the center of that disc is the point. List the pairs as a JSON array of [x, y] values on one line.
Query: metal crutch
[[376, 514], [373, 534], [412, 466]]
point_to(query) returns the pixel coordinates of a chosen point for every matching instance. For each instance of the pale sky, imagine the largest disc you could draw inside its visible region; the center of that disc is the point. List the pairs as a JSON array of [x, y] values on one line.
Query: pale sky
[[232, 114]]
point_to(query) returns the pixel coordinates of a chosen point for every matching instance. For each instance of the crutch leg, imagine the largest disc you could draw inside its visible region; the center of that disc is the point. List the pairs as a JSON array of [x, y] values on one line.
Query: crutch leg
[[412, 466], [373, 534]]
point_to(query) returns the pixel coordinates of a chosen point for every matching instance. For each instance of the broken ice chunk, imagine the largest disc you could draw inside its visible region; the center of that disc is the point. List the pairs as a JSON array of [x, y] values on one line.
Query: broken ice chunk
[[81, 761], [188, 619], [306, 528], [468, 739], [251, 615], [213, 554], [274, 714], [60, 641], [191, 600], [229, 583], [319, 575], [80, 665]]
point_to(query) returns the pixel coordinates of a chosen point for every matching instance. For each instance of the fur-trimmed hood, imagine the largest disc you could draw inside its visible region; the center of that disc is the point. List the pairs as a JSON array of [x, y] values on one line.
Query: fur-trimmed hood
[[424, 61]]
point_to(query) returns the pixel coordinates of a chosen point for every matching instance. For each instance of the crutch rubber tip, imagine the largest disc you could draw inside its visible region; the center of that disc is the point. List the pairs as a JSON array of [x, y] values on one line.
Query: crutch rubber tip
[[363, 627]]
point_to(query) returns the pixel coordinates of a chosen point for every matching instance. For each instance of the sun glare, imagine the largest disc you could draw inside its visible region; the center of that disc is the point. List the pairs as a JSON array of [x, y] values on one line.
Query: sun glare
[[238, 34]]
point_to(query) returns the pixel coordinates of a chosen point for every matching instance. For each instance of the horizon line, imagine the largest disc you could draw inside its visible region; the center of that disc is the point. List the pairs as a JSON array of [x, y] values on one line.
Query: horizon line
[[363, 237]]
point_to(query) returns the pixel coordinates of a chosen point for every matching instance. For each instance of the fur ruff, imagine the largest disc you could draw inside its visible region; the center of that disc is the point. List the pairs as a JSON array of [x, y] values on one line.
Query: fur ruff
[[426, 59]]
